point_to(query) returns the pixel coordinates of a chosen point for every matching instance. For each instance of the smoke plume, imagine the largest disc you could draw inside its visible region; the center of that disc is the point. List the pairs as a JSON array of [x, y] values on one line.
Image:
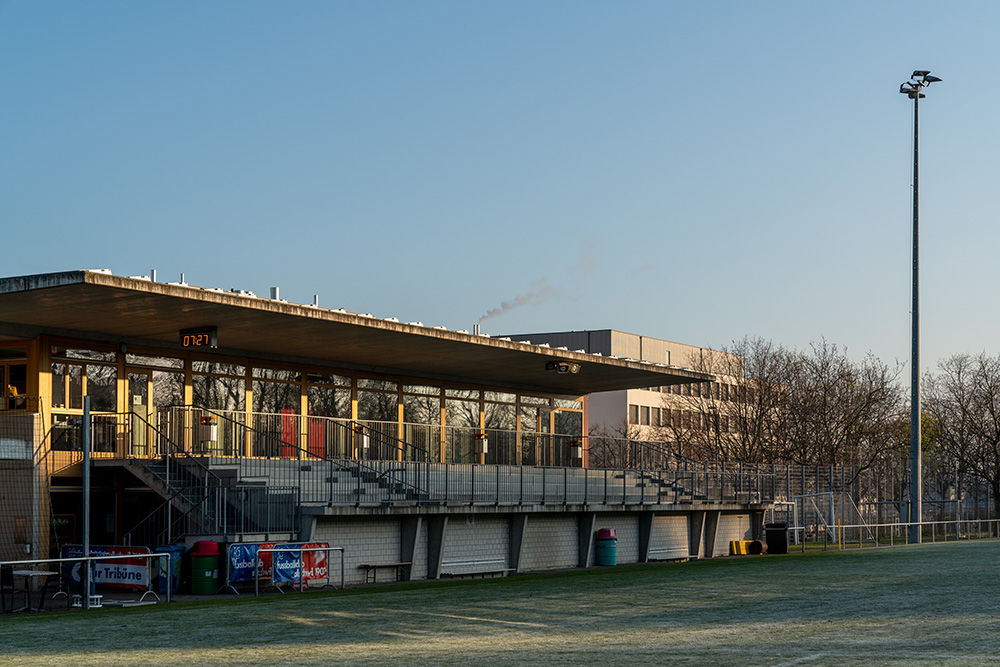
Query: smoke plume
[[539, 292]]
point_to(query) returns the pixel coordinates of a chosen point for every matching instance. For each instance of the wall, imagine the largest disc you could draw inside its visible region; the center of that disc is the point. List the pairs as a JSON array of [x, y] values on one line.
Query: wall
[[551, 540]]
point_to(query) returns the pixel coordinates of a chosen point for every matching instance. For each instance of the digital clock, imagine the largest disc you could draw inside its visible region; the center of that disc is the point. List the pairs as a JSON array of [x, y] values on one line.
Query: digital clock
[[200, 337]]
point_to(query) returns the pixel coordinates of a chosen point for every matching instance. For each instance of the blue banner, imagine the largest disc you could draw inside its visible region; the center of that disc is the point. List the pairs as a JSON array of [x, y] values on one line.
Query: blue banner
[[287, 562], [242, 558]]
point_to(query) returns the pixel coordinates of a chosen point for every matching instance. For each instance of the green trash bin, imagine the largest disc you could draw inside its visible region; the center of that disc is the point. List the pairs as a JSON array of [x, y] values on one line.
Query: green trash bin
[[205, 568], [607, 547]]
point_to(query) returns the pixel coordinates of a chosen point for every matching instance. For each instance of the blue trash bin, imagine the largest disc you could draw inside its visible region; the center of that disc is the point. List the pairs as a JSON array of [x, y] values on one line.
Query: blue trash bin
[[607, 547], [175, 552]]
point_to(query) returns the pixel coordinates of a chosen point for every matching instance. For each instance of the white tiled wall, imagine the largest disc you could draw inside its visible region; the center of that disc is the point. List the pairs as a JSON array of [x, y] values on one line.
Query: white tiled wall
[[550, 543], [374, 540], [484, 537], [731, 527], [670, 538]]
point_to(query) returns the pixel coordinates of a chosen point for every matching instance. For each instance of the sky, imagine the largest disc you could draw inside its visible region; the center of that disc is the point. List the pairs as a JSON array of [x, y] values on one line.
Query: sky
[[692, 171]]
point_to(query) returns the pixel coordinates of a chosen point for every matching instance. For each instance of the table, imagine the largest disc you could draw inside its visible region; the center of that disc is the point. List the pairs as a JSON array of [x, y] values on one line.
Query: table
[[28, 576]]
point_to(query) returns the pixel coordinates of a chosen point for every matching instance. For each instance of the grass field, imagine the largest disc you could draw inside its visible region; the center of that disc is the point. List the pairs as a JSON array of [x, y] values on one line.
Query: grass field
[[930, 604]]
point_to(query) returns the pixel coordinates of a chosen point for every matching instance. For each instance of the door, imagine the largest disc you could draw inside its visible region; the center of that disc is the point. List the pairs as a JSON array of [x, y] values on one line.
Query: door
[[140, 413]]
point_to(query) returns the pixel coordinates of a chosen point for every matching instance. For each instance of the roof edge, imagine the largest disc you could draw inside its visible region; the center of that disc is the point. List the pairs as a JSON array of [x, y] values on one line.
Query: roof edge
[[41, 281]]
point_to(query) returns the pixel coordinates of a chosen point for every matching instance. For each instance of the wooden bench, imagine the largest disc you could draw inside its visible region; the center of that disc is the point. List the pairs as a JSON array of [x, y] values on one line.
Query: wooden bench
[[457, 568], [371, 570]]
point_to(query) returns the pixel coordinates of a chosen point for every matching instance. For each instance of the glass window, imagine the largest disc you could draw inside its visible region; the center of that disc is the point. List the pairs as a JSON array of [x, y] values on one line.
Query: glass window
[[218, 368], [102, 387], [275, 397], [377, 406], [534, 400], [501, 416], [500, 397], [168, 389], [462, 394], [423, 390], [89, 355], [157, 362], [421, 409], [534, 420], [330, 402], [14, 387], [568, 404], [461, 413], [218, 393], [66, 433], [569, 423], [326, 378], [633, 414], [381, 385], [277, 374]]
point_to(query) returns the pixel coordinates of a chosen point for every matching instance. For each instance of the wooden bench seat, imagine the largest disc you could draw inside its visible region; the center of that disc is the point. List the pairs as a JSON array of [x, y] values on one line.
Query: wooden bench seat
[[371, 570]]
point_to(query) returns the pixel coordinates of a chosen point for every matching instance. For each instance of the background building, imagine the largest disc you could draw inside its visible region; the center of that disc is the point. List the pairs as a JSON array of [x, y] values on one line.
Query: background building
[[656, 412]]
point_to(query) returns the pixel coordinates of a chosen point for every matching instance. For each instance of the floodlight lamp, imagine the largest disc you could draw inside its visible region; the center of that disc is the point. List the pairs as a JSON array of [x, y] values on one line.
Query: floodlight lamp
[[931, 79], [920, 72], [905, 88]]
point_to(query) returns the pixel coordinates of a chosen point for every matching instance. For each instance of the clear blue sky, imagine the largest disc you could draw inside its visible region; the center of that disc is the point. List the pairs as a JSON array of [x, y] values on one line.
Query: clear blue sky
[[686, 170]]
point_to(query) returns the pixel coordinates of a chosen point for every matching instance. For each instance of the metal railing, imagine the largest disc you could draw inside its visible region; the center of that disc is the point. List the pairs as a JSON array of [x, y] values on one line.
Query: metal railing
[[197, 500], [868, 535], [88, 563]]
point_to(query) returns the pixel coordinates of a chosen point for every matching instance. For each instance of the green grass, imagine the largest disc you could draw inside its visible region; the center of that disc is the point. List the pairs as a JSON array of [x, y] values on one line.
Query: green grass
[[930, 604]]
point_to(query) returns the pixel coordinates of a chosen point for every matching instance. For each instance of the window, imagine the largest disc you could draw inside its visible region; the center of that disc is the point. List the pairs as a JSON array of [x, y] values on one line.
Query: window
[[378, 406], [329, 402], [633, 414], [421, 409]]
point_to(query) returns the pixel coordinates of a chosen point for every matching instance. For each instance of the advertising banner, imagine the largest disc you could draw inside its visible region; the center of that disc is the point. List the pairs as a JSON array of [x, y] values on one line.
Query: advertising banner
[[242, 558], [128, 573], [292, 564]]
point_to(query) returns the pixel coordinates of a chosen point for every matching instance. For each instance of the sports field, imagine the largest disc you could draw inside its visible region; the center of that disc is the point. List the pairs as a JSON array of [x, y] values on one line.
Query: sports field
[[931, 604]]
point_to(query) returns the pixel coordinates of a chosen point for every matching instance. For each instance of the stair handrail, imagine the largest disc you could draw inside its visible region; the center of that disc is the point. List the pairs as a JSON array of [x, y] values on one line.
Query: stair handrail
[[173, 450]]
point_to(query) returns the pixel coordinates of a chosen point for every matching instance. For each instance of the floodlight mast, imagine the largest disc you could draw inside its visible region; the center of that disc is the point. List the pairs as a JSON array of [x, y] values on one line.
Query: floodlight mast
[[919, 80]]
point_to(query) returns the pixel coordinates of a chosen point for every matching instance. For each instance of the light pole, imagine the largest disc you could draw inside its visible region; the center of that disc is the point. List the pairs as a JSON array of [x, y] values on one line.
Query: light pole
[[919, 80]]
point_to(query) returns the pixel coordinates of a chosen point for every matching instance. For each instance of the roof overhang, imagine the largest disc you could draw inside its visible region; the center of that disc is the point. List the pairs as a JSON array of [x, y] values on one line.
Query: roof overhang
[[99, 306]]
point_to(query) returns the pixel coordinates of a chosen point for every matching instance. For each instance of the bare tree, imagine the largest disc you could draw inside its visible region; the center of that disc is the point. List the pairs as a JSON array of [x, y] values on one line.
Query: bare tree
[[742, 414], [610, 447], [769, 404], [964, 400], [840, 412]]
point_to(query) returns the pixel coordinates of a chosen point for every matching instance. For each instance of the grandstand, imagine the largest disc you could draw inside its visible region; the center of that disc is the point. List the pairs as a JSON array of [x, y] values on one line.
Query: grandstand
[[220, 415]]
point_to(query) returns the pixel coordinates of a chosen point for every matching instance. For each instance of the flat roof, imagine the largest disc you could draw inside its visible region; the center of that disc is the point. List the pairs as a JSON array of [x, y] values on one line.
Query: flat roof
[[100, 306]]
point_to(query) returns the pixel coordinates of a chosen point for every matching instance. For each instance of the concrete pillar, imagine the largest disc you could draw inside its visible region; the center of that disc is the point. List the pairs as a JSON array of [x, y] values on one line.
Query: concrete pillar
[[585, 532], [409, 533], [436, 529], [518, 529], [645, 535]]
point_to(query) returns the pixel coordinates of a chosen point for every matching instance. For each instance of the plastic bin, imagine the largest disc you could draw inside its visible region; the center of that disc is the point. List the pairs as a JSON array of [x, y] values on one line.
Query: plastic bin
[[607, 547], [776, 535], [174, 564], [205, 568]]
